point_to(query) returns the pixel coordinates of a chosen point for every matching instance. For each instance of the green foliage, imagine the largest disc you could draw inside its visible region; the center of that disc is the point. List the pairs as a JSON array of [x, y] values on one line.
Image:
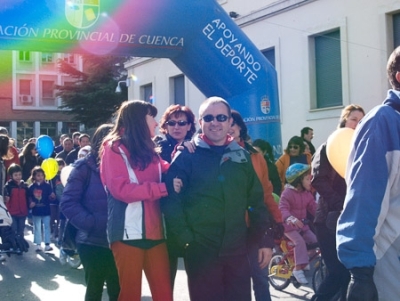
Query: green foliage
[[91, 98]]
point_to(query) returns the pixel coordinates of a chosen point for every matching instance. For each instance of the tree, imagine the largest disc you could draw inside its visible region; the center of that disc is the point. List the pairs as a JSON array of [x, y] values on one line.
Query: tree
[[91, 98]]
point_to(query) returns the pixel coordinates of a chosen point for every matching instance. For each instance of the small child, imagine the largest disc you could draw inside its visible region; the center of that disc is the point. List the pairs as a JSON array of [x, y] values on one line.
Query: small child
[[296, 200], [16, 198], [40, 196], [55, 204]]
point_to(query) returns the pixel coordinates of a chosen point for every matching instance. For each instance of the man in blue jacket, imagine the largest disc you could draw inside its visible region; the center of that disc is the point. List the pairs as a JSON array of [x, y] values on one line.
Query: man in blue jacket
[[368, 233], [208, 216]]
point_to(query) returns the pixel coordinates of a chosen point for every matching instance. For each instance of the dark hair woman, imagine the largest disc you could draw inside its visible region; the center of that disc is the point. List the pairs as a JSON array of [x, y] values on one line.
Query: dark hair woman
[[266, 149], [84, 204], [332, 190], [131, 171], [177, 124], [3, 153], [28, 160], [294, 153]]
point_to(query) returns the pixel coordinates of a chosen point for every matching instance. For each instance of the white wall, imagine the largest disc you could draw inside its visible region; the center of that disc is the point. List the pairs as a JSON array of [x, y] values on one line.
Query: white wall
[[366, 36]]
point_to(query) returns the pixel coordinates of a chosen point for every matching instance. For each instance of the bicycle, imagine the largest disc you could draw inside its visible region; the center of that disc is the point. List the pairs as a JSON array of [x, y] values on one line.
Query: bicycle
[[282, 264]]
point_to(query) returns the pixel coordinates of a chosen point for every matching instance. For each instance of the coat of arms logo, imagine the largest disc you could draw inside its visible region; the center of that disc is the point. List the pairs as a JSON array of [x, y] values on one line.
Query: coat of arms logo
[[82, 13], [265, 105]]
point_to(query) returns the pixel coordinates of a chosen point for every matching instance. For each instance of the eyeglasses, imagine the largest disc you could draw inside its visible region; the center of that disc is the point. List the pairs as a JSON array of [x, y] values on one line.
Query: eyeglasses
[[219, 117], [173, 122], [293, 146]]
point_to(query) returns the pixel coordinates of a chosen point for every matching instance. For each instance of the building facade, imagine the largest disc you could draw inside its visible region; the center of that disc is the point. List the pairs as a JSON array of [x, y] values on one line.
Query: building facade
[[327, 53], [29, 106]]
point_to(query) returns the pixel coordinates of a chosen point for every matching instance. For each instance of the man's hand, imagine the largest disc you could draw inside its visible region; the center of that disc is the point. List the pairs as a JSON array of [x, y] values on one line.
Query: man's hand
[[264, 256], [177, 185], [362, 286]]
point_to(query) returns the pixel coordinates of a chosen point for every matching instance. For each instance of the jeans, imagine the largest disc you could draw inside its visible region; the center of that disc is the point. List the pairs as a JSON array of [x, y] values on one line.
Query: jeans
[[216, 278], [338, 278], [18, 225], [259, 276], [37, 228]]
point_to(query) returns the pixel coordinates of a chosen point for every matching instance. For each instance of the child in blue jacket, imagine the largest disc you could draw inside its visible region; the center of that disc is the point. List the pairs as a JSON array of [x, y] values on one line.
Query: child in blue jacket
[[40, 196]]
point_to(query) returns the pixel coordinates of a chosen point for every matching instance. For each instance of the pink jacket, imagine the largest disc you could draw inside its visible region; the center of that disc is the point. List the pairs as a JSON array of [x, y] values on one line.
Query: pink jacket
[[142, 217], [296, 203]]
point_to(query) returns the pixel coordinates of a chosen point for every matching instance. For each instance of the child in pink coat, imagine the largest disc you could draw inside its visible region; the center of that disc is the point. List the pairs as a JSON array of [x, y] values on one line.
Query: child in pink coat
[[296, 200]]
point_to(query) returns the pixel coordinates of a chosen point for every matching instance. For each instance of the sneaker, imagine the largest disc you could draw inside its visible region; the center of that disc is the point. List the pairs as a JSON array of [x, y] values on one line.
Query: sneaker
[[2, 258], [47, 248], [38, 248], [299, 275], [63, 257], [307, 267]]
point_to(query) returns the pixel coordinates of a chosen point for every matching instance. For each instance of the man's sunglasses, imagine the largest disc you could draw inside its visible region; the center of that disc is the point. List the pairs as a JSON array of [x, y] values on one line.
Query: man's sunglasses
[[219, 117], [173, 122]]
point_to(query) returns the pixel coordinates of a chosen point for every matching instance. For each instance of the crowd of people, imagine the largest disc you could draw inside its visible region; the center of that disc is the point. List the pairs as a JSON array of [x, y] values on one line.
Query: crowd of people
[[222, 197]]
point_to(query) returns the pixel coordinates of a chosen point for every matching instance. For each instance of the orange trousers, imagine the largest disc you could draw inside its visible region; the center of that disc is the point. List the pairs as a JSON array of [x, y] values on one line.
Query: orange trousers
[[131, 261]]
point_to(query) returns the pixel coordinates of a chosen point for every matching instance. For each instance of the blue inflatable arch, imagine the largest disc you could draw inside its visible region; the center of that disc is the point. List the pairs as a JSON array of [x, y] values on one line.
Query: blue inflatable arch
[[197, 35]]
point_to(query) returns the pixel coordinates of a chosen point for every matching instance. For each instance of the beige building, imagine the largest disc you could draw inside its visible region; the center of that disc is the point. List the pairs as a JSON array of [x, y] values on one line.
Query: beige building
[[327, 53]]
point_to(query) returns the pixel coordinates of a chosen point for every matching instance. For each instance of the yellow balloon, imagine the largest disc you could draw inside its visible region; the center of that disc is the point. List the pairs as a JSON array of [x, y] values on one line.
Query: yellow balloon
[[338, 148], [50, 168]]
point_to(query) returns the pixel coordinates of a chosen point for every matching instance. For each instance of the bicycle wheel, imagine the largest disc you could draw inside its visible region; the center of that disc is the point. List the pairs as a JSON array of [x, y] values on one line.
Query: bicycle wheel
[[279, 272], [318, 275]]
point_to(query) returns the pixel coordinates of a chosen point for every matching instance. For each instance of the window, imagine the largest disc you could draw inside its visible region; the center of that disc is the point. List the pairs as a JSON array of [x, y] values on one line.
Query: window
[[24, 131], [147, 92], [47, 57], [69, 58], [48, 93], [25, 56], [25, 98], [179, 90], [270, 55], [396, 30], [49, 129], [25, 87], [328, 70]]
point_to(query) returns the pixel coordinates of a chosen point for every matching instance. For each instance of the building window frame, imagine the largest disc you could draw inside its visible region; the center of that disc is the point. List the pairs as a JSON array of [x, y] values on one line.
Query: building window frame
[[24, 56], [47, 57], [314, 111], [178, 90], [147, 92]]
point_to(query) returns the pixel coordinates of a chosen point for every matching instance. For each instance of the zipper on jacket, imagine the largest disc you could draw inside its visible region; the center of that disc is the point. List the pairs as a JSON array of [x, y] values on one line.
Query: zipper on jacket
[[126, 234]]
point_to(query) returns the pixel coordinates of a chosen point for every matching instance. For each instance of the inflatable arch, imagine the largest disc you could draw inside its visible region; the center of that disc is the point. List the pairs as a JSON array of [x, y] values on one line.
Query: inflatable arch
[[198, 36]]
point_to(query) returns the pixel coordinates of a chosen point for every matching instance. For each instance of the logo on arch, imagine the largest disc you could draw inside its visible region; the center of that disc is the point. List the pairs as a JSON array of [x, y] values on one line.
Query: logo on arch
[[82, 13], [265, 105]]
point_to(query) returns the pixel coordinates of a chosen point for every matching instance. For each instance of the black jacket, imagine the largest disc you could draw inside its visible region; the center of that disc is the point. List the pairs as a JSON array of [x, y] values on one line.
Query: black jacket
[[218, 189], [328, 183]]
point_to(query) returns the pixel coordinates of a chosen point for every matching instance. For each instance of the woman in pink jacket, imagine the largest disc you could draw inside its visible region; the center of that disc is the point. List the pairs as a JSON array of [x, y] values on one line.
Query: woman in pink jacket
[[131, 171]]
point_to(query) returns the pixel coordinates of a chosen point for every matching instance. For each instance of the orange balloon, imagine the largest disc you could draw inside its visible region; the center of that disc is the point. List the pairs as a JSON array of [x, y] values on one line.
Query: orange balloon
[[338, 148]]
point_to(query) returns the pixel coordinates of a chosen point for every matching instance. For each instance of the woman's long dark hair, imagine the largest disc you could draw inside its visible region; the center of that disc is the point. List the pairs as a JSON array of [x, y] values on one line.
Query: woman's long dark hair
[[97, 139], [3, 145], [27, 150], [132, 131]]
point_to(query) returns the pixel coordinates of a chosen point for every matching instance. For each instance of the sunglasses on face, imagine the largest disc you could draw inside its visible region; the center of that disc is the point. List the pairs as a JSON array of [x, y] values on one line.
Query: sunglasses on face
[[219, 117], [173, 122], [293, 146]]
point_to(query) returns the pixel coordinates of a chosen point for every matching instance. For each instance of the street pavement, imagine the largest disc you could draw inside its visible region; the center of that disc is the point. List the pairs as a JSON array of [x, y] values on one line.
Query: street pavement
[[40, 277]]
